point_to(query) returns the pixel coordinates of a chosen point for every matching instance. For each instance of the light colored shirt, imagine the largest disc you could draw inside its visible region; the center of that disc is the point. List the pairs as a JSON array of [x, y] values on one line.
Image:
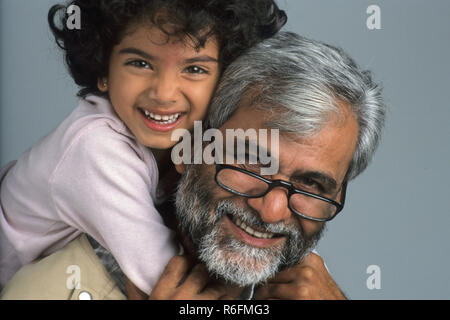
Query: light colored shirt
[[92, 176], [72, 273]]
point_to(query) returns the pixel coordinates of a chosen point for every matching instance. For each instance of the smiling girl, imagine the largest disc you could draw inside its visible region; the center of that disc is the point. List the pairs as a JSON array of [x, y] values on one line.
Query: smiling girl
[[145, 68]]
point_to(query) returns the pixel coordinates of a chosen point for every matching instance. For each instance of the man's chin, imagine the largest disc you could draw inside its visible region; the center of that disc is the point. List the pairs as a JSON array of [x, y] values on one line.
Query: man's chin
[[238, 263]]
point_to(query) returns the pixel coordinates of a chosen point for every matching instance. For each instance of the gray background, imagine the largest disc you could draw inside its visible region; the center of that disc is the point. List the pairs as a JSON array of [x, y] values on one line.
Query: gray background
[[397, 215]]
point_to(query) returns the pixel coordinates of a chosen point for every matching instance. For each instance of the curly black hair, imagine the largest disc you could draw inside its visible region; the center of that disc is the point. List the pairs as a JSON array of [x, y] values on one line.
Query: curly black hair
[[237, 24]]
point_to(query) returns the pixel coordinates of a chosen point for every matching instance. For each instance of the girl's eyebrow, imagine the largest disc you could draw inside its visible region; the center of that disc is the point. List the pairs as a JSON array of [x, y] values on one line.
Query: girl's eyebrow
[[200, 58], [141, 53]]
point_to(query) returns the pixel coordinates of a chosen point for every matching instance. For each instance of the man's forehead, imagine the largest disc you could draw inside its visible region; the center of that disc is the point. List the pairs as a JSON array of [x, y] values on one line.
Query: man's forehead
[[328, 150]]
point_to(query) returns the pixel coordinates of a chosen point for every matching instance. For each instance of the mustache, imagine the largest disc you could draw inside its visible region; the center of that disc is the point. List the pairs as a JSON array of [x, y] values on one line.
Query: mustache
[[251, 217]]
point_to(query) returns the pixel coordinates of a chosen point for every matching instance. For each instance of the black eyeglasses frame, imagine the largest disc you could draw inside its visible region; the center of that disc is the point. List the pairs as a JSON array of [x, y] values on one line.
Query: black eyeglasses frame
[[284, 184]]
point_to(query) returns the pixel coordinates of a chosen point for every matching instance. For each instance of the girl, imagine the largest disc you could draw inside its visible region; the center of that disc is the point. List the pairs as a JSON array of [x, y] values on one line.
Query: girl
[[145, 68]]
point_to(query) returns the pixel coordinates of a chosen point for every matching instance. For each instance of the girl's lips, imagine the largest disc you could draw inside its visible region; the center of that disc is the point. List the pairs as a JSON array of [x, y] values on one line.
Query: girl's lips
[[159, 125]]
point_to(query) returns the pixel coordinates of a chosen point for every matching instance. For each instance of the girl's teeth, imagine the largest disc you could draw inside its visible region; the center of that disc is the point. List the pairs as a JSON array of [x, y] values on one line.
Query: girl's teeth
[[250, 231], [166, 119]]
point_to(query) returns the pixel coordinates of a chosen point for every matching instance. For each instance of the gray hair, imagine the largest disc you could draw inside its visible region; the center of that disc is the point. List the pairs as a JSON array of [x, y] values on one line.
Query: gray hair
[[299, 81]]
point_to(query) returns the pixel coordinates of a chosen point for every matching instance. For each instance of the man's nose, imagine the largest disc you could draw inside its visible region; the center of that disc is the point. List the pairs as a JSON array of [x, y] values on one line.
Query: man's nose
[[164, 88], [273, 207]]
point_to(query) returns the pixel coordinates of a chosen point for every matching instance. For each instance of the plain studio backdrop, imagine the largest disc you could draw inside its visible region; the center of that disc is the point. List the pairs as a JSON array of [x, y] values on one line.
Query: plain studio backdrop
[[392, 239]]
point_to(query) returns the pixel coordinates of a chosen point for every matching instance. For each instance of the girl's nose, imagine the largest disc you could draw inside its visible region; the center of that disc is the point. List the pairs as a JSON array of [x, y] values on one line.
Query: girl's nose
[[164, 89]]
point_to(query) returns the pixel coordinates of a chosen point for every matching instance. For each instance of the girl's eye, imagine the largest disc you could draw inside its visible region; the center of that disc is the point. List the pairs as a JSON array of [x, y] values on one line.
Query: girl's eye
[[195, 70], [140, 64]]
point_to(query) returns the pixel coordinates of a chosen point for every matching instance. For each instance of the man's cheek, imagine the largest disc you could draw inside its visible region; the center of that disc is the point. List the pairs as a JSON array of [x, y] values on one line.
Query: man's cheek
[[310, 228]]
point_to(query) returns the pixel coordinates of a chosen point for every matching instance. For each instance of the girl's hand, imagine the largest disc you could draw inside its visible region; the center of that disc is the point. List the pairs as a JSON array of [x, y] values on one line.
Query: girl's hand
[[179, 282], [308, 280], [133, 292]]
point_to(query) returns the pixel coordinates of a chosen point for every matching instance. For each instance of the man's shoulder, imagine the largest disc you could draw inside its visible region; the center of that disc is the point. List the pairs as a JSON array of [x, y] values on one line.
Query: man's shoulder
[[72, 273]]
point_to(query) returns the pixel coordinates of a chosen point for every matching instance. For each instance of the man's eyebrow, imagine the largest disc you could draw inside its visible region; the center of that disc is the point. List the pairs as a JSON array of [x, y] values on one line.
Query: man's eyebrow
[[250, 144], [329, 182]]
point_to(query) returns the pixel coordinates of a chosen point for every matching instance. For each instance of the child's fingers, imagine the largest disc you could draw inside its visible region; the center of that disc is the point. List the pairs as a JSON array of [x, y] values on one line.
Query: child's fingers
[[133, 292], [177, 282], [196, 281], [172, 276], [222, 291]]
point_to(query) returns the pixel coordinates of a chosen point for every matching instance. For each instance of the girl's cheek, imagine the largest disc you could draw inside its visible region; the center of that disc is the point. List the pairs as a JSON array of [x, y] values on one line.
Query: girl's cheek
[[128, 86], [205, 94]]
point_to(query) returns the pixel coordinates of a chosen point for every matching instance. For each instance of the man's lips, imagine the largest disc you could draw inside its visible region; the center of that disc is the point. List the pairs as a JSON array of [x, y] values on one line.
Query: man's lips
[[251, 236]]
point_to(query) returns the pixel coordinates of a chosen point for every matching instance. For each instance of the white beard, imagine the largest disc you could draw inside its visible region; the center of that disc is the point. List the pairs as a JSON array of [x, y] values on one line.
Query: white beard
[[225, 256], [237, 262]]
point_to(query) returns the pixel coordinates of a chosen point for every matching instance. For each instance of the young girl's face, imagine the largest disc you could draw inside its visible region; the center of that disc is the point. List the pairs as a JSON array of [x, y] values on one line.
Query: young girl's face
[[157, 85]]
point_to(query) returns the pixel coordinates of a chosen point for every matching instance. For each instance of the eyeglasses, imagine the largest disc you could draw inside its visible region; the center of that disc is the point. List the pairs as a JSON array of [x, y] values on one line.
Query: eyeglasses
[[251, 185]]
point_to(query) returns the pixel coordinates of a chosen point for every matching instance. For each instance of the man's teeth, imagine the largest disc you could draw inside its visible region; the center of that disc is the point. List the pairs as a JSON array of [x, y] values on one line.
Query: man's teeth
[[246, 228], [166, 119]]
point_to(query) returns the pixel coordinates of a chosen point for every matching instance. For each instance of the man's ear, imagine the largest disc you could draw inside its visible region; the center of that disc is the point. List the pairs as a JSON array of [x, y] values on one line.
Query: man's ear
[[342, 193], [180, 168]]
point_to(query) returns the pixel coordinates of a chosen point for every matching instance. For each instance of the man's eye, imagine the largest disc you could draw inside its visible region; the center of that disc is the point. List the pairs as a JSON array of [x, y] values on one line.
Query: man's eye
[[141, 64], [309, 184], [195, 70], [251, 167]]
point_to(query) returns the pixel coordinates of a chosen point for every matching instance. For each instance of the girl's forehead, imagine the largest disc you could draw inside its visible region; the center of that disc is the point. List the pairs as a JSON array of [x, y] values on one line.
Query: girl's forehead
[[167, 34]]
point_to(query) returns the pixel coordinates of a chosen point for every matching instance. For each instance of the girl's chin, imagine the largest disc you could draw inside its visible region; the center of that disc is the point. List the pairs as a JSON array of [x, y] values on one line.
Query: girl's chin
[[156, 140]]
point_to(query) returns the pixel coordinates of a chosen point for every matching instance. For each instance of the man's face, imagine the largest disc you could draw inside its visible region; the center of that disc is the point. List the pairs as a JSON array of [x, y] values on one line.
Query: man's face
[[222, 225]]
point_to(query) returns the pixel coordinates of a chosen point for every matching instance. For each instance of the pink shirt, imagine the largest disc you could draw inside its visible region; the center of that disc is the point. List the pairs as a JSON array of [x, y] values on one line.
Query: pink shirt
[[91, 176]]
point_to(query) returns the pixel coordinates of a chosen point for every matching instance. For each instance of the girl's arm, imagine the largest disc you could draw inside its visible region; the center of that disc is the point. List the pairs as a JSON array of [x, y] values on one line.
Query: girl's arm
[[104, 186]]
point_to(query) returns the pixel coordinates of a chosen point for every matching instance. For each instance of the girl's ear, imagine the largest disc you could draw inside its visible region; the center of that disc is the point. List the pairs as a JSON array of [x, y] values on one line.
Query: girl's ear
[[102, 84]]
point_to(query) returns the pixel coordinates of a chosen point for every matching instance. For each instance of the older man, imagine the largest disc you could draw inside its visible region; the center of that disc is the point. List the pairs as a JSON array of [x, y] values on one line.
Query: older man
[[247, 228]]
